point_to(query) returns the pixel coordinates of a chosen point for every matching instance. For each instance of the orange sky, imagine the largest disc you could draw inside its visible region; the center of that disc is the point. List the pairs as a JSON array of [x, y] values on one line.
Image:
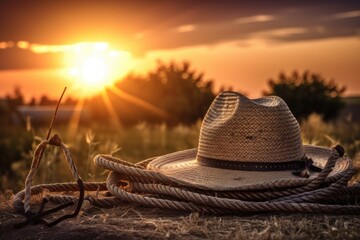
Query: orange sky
[[235, 43], [246, 69]]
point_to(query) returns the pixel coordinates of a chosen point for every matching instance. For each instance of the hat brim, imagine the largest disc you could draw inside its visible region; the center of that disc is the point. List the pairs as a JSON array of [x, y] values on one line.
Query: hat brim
[[182, 168]]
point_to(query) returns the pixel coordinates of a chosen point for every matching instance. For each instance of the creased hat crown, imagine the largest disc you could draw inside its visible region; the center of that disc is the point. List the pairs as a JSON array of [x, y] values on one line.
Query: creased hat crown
[[261, 130]]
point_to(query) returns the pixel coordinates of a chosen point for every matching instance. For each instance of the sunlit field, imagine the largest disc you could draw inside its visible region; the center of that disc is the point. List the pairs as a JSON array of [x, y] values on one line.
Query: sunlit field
[[143, 141], [134, 144]]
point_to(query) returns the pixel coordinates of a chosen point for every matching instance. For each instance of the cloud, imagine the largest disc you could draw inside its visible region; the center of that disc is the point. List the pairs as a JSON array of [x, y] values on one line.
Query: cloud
[[23, 44], [282, 32], [144, 26], [254, 19], [186, 28], [5, 45], [351, 14]]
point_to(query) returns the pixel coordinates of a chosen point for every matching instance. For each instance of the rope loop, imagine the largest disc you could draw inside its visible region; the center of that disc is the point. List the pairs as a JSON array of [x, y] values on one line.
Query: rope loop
[[128, 182], [55, 140]]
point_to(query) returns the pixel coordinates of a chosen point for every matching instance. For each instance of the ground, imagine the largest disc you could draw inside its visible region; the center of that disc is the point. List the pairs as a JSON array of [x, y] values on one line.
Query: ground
[[129, 221]]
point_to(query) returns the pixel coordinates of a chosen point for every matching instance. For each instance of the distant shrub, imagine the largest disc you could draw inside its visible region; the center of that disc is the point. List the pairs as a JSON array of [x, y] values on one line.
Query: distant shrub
[[308, 93]]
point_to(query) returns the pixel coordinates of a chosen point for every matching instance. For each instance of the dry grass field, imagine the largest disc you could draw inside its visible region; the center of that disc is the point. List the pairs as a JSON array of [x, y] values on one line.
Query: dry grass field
[[129, 221]]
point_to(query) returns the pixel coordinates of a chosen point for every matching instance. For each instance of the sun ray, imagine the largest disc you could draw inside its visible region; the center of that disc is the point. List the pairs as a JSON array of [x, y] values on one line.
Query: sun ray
[[113, 116], [75, 118], [137, 101]]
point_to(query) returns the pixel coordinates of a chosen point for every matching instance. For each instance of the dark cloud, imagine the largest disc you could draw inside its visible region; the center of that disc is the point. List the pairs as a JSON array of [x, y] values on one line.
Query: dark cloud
[[140, 26]]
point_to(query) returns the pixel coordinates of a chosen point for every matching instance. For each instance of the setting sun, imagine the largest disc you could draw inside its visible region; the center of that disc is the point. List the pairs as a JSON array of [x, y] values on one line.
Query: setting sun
[[94, 67], [94, 71]]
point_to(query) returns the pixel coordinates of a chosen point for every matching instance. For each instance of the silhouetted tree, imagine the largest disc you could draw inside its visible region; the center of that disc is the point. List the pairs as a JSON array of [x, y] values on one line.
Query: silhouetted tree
[[174, 89], [13, 102], [32, 102], [45, 100], [17, 97], [70, 101], [308, 93]]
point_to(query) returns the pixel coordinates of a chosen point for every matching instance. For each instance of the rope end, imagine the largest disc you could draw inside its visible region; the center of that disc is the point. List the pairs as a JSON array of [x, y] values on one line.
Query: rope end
[[340, 150]]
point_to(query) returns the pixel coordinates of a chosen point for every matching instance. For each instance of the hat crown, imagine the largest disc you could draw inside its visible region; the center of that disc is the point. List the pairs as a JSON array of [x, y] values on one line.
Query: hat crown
[[239, 129]]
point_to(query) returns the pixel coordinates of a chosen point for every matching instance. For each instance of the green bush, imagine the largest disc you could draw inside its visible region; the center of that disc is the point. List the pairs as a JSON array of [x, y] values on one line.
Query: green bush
[[308, 93]]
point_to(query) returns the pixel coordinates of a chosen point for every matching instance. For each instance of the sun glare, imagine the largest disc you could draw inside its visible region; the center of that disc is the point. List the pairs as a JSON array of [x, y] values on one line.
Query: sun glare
[[94, 66]]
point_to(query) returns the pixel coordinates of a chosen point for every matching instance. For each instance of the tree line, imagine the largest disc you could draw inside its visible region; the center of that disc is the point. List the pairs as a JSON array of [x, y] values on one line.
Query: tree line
[[175, 93]]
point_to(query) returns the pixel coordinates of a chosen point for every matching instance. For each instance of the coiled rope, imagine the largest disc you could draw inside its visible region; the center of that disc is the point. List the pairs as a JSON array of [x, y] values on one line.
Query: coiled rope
[[128, 182]]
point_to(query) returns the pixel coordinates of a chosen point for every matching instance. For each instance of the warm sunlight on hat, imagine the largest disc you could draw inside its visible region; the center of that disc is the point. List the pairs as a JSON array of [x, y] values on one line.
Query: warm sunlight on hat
[[94, 66]]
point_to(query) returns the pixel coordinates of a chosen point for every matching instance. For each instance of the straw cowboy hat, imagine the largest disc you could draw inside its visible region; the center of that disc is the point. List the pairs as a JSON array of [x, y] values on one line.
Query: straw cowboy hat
[[250, 158], [247, 144]]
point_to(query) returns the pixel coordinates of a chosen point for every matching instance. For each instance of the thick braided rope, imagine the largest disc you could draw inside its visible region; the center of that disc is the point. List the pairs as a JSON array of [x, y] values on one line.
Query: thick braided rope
[[301, 198], [55, 187], [246, 195], [114, 177], [201, 198], [314, 184], [326, 171], [181, 193], [135, 174], [349, 194], [220, 203], [55, 140], [143, 175], [105, 202], [67, 187], [320, 194], [32, 172], [180, 205], [106, 161]]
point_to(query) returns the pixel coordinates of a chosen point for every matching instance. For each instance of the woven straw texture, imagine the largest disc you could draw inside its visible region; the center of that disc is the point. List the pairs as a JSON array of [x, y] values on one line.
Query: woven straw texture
[[238, 129], [182, 168]]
